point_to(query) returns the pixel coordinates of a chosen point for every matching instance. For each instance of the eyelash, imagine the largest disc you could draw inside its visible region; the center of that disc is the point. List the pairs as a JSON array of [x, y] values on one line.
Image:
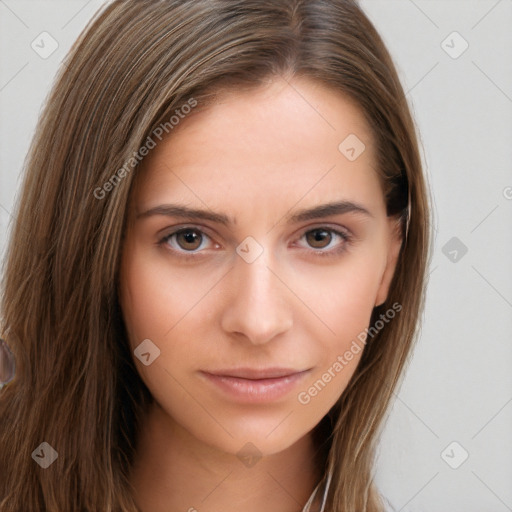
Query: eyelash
[[189, 255]]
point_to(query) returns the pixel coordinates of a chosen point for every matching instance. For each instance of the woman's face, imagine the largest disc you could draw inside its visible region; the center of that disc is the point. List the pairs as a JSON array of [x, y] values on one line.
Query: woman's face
[[256, 249]]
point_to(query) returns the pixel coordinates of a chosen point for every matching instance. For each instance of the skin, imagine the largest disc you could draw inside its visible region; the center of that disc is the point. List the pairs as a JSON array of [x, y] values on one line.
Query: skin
[[256, 157]]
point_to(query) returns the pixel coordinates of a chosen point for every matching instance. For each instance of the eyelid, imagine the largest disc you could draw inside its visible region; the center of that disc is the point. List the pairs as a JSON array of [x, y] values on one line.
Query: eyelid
[[328, 227], [341, 231], [167, 233]]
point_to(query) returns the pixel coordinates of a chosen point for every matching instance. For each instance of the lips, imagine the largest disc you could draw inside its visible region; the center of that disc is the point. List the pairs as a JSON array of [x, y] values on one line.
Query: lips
[[255, 374], [252, 385]]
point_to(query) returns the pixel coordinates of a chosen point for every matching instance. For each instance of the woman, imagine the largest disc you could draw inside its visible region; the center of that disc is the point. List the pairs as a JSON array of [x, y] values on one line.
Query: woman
[[218, 264]]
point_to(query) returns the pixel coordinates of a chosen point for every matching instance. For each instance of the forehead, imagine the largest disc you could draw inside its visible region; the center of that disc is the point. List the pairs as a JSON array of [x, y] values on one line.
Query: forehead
[[285, 138]]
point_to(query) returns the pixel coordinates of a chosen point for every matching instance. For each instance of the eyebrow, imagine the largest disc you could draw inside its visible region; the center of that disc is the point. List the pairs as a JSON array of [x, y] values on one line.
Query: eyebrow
[[317, 212]]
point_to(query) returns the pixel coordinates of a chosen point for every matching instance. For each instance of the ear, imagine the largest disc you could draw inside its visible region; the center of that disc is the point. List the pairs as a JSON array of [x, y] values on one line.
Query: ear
[[394, 246]]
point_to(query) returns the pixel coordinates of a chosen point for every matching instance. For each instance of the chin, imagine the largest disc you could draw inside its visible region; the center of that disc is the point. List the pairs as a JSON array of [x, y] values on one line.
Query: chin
[[256, 436]]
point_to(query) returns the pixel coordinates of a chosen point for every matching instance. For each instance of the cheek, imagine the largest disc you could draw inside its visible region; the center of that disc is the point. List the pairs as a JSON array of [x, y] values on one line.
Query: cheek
[[343, 298], [167, 308], [173, 309], [154, 301]]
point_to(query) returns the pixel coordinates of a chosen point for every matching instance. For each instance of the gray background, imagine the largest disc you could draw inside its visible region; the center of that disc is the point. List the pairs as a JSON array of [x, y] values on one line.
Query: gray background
[[459, 386]]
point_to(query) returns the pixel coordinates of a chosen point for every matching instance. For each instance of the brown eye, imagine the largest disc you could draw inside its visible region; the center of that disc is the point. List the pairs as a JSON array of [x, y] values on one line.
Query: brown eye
[[189, 239], [319, 238]]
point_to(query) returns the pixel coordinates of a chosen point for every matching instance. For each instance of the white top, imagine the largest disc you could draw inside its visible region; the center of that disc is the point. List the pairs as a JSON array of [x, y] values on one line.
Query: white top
[[326, 483]]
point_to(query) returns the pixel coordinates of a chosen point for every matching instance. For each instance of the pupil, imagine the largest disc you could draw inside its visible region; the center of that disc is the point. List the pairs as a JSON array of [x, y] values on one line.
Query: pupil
[[190, 238], [319, 238]]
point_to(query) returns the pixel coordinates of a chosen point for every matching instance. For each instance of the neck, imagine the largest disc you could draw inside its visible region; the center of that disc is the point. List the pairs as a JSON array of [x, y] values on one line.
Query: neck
[[175, 472]]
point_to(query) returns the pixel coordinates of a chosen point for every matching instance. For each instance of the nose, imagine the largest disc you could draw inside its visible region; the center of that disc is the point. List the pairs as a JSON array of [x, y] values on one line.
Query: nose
[[258, 308]]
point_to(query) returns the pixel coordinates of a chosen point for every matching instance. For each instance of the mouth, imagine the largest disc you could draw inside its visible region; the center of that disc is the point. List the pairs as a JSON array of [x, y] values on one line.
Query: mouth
[[251, 385]]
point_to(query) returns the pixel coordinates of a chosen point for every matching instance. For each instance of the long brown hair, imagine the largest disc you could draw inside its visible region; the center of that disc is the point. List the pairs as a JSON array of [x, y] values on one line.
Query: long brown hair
[[76, 386]]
